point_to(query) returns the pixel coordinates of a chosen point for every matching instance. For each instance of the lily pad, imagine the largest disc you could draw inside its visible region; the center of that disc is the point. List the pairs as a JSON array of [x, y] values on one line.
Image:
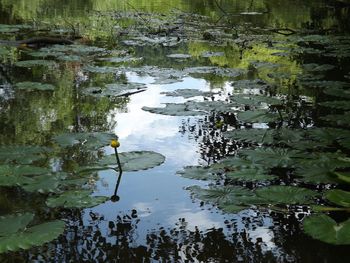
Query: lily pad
[[22, 154], [336, 104], [48, 183], [17, 236], [179, 56], [27, 85], [317, 173], [89, 140], [97, 69], [188, 93], [258, 116], [271, 157], [113, 90], [324, 228], [36, 63], [251, 135], [338, 197], [254, 100], [130, 161], [250, 175], [76, 199], [199, 173], [278, 194], [339, 119], [174, 109], [337, 92]]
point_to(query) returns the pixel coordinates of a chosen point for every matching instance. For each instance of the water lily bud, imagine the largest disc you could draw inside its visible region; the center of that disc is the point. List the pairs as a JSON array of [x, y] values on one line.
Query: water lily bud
[[115, 143]]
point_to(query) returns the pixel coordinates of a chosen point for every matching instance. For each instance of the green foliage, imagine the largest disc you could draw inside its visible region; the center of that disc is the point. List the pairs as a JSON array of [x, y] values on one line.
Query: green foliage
[[22, 154], [199, 173], [338, 197], [174, 109], [250, 175], [75, 199], [15, 235], [336, 104], [324, 228], [88, 140], [279, 194], [188, 93], [130, 161], [27, 85], [252, 135], [271, 157], [257, 116], [36, 63]]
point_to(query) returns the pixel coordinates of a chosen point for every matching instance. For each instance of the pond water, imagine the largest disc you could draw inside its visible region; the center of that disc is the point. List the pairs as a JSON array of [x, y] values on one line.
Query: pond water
[[286, 64]]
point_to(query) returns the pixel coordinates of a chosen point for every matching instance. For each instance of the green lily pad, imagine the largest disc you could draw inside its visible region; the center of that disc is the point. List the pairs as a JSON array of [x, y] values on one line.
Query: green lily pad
[[130, 161], [27, 85], [179, 56], [48, 183], [232, 163], [343, 176], [339, 119], [11, 224], [76, 199], [336, 104], [32, 236], [113, 90], [188, 93], [250, 175], [317, 173], [250, 84], [22, 154], [222, 72], [251, 135], [271, 157], [199, 173], [254, 100], [278, 194], [174, 109], [97, 69], [339, 197], [258, 116], [337, 92], [324, 228], [327, 135], [89, 140], [36, 63]]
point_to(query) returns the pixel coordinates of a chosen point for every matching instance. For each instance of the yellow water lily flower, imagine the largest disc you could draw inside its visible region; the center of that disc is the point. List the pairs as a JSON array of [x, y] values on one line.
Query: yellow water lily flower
[[115, 143]]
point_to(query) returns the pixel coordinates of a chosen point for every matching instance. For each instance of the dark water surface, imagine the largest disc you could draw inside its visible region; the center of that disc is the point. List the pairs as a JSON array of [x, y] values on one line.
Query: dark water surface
[[156, 219]]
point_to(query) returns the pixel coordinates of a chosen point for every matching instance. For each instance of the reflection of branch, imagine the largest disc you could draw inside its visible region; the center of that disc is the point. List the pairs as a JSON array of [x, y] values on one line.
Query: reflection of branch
[[137, 13], [218, 6]]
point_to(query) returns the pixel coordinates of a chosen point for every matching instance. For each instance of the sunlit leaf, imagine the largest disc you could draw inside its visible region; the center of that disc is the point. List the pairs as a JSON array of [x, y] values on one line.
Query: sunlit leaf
[[75, 199], [324, 228]]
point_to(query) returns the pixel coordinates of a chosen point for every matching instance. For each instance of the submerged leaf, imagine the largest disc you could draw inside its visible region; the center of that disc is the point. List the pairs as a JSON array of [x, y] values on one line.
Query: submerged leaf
[[324, 228]]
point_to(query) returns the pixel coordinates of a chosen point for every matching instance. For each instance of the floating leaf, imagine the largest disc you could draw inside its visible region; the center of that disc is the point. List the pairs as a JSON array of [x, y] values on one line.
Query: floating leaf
[[271, 157], [258, 116], [174, 109], [317, 67], [327, 135], [336, 104], [35, 63], [179, 56], [22, 154], [316, 173], [48, 183], [75, 199], [232, 163], [337, 92], [188, 93], [343, 176], [223, 72], [97, 69], [254, 100], [338, 197], [278, 194], [251, 135], [339, 119], [199, 173], [89, 140], [113, 90], [33, 236], [27, 85], [130, 161], [11, 224], [250, 84], [250, 175], [324, 228]]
